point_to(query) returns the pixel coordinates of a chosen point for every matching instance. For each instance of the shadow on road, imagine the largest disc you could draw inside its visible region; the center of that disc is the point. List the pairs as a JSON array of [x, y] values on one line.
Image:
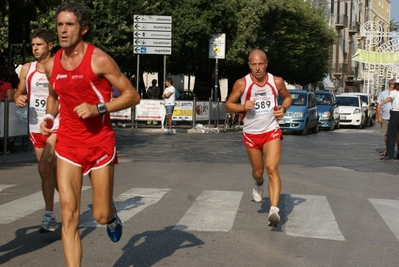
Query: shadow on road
[[148, 248]]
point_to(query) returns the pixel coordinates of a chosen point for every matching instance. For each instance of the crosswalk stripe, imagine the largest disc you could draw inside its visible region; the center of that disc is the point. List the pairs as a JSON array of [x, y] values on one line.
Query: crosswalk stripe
[[129, 204], [310, 216], [22, 207], [4, 186], [213, 210], [389, 211]]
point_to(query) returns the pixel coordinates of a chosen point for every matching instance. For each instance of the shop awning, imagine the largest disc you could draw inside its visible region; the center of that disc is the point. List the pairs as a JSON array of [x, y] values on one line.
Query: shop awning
[[328, 83]]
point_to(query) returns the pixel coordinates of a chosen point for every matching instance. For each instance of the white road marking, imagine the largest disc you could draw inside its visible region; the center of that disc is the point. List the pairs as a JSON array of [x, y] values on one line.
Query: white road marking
[[24, 206], [389, 211], [128, 204], [212, 211], [310, 216], [4, 186]]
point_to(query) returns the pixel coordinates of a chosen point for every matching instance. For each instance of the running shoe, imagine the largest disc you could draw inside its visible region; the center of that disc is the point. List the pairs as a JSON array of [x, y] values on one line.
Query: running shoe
[[257, 192], [114, 227], [49, 224], [274, 218]]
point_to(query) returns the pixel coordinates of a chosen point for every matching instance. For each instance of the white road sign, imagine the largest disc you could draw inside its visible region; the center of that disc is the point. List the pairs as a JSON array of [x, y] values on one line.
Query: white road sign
[[152, 42], [152, 35], [152, 50], [152, 19], [217, 44], [152, 27]]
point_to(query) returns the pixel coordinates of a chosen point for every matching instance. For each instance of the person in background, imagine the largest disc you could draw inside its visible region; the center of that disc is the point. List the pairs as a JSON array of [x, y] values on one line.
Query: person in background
[[262, 136], [81, 76], [33, 87], [383, 115], [5, 86], [153, 93], [169, 101]]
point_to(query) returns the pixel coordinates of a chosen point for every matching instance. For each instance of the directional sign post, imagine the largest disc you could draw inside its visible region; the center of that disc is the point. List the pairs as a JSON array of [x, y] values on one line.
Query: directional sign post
[[152, 35]]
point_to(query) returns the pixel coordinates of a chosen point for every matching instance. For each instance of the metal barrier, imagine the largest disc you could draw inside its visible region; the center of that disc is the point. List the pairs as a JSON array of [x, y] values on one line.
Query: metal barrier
[[13, 122]]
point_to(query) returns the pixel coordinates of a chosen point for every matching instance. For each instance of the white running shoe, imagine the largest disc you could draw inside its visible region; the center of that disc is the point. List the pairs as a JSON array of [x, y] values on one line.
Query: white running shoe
[[274, 218], [49, 224], [257, 192]]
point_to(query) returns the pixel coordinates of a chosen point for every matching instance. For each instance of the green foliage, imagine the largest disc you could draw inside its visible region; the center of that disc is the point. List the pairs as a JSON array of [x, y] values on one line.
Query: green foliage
[[393, 26], [294, 35]]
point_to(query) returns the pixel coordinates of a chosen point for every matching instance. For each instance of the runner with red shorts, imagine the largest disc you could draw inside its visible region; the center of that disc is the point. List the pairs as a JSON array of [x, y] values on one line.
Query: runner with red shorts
[[81, 76], [262, 136]]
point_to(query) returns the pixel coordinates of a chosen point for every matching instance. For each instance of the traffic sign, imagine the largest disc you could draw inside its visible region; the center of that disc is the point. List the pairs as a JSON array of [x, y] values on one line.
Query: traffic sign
[[152, 35], [152, 27], [152, 42], [152, 50], [152, 19], [217, 44]]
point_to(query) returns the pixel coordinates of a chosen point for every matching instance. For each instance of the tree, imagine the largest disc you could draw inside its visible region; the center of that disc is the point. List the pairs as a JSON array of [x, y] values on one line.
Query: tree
[[294, 35], [393, 26]]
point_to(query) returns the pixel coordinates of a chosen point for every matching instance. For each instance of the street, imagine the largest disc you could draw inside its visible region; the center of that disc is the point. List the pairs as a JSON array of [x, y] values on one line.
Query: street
[[186, 200]]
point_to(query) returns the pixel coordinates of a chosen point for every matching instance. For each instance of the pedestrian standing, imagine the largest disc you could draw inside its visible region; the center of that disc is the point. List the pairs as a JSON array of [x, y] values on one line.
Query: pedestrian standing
[[81, 76], [169, 101], [34, 87], [258, 92], [153, 93], [393, 125], [383, 115]]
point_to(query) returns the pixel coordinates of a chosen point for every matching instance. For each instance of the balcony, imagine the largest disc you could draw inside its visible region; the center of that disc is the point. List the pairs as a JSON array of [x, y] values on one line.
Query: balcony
[[354, 28], [340, 69], [341, 22]]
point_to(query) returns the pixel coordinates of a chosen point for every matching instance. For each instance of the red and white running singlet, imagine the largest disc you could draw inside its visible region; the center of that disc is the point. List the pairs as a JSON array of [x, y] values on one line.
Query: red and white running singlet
[[261, 119], [37, 90], [75, 87]]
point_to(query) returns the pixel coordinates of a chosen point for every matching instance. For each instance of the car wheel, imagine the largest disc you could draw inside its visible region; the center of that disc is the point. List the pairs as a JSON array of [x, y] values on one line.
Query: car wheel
[[332, 127], [338, 124], [315, 129], [305, 130]]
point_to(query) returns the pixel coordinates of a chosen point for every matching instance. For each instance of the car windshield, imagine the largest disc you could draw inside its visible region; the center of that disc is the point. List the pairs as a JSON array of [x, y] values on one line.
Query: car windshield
[[348, 101], [299, 99], [323, 99], [364, 98]]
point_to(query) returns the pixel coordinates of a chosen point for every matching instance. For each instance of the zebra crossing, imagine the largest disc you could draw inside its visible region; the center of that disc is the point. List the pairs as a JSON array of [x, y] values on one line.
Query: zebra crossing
[[216, 210]]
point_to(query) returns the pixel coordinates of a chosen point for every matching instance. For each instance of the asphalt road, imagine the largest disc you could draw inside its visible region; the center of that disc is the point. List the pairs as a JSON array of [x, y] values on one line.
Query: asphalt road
[[185, 200]]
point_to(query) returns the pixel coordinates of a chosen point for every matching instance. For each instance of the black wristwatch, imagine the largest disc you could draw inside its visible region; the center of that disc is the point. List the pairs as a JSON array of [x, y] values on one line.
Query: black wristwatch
[[102, 109]]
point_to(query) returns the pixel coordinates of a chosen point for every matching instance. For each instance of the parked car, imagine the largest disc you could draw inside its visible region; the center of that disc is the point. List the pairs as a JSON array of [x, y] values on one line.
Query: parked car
[[368, 106], [302, 115], [351, 111], [328, 110]]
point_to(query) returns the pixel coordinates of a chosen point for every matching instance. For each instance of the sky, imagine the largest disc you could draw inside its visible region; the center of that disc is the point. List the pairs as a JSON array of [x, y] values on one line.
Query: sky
[[395, 10]]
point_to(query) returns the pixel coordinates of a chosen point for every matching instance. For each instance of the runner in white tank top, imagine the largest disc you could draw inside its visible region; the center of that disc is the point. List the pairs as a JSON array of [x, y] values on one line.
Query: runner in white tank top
[[262, 136], [37, 90], [34, 87], [261, 119]]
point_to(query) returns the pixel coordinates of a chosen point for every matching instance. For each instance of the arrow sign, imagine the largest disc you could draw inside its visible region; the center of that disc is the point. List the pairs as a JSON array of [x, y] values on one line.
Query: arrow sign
[[153, 27], [152, 50], [153, 34], [153, 42], [153, 19]]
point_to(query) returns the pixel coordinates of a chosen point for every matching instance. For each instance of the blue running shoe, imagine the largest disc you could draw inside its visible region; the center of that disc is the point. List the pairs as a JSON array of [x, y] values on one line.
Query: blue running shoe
[[114, 227]]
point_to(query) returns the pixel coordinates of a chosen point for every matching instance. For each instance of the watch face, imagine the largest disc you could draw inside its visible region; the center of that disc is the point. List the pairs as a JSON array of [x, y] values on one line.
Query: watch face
[[101, 108]]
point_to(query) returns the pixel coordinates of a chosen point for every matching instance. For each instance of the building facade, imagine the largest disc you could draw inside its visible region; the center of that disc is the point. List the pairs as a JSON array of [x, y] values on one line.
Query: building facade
[[351, 19]]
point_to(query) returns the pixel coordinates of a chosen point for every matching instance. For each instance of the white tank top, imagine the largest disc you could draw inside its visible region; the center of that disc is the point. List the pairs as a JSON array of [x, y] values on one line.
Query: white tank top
[[37, 89], [261, 119]]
